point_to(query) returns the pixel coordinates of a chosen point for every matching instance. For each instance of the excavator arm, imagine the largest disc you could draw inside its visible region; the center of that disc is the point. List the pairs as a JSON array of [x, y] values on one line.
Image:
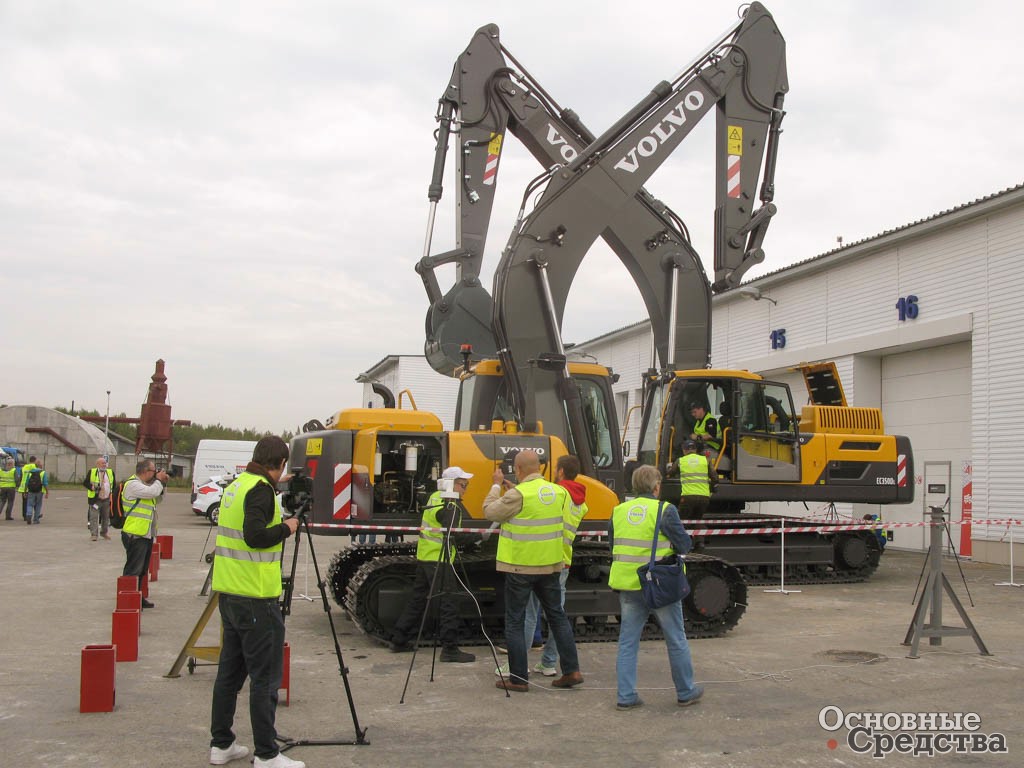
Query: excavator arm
[[743, 75], [486, 98]]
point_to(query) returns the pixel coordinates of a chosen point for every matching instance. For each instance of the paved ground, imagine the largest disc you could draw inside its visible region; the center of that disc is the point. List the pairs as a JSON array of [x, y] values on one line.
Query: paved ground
[[766, 683]]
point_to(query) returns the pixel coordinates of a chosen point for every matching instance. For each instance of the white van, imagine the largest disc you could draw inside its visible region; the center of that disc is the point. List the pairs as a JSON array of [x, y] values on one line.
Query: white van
[[219, 457]]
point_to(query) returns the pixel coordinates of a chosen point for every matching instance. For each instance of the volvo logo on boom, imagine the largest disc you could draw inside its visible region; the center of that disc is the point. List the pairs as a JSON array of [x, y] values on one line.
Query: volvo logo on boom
[[650, 144], [555, 139]]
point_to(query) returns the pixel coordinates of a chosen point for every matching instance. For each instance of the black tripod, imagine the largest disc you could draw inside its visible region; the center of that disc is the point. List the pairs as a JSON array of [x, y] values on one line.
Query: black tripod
[[446, 569], [360, 738]]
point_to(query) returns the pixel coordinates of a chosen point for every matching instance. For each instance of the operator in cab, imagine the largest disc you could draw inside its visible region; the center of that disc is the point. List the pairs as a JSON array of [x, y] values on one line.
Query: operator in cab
[[705, 428]]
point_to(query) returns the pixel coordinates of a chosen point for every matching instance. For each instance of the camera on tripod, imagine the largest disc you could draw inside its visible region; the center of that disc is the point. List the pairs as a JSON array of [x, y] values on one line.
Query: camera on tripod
[[298, 497], [446, 487]]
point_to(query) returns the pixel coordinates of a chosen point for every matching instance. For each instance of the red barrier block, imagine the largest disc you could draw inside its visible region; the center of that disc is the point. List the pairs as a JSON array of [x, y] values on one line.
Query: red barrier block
[[286, 675], [129, 600], [125, 634], [127, 583], [145, 585], [97, 684], [154, 563], [166, 546]]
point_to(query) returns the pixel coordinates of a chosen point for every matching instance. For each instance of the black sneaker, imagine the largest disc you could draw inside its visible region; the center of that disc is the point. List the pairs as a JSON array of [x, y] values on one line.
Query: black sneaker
[[147, 604], [630, 705], [457, 656], [698, 691], [400, 646]]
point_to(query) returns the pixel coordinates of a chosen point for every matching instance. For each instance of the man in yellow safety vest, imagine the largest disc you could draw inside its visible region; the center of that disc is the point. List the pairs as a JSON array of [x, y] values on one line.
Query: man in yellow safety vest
[[530, 554], [139, 497], [436, 550], [247, 578]]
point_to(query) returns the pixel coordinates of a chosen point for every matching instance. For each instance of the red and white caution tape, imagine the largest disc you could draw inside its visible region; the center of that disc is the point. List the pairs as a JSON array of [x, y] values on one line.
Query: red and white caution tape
[[827, 527]]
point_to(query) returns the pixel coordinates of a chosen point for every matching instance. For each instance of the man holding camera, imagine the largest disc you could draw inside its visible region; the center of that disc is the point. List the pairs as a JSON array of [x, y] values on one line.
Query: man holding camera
[[247, 576], [98, 483], [141, 493], [532, 516], [436, 549]]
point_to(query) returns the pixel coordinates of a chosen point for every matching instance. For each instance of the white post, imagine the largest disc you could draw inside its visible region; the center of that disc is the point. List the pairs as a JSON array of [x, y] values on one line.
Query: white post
[[1011, 582], [782, 586]]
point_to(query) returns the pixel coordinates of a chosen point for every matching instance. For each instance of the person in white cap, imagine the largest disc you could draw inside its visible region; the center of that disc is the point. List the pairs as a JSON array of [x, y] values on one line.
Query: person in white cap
[[436, 550]]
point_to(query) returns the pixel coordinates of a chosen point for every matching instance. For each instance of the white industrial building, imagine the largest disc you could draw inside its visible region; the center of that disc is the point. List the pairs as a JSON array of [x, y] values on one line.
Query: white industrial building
[[414, 384], [924, 322]]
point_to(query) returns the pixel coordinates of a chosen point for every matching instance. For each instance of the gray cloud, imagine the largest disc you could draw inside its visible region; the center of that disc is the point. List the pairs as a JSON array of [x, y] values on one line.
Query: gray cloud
[[240, 188]]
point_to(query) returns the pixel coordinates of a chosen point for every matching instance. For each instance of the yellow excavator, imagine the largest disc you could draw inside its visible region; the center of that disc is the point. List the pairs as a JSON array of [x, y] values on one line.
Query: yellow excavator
[[518, 390]]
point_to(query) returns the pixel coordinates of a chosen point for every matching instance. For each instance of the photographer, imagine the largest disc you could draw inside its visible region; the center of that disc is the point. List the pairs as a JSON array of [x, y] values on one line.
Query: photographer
[[141, 493], [439, 513], [247, 574]]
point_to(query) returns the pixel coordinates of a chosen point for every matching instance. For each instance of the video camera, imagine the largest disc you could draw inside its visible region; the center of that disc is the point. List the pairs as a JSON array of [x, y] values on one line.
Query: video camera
[[298, 497]]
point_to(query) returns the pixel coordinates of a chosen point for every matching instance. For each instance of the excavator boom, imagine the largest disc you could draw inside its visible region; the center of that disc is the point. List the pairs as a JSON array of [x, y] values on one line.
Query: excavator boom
[[485, 100], [745, 78]]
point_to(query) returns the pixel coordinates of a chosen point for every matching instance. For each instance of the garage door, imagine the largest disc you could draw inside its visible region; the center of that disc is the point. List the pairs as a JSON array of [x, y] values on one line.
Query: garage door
[[926, 395]]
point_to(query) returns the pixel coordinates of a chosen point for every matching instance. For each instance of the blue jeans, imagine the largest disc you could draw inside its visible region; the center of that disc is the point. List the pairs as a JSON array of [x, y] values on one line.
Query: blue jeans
[[549, 658], [632, 617], [518, 588], [33, 506]]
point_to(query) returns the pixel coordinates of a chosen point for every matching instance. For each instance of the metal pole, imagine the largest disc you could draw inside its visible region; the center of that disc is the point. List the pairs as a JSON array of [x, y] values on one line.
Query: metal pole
[[106, 425], [782, 584], [1011, 582]]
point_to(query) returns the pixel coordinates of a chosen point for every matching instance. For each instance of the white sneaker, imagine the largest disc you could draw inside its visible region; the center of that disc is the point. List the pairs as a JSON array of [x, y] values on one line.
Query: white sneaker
[[501, 671], [220, 756], [546, 671], [281, 761]]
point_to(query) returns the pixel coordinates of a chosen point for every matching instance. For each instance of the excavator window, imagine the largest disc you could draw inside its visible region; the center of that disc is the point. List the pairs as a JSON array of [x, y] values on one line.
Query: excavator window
[[599, 427], [647, 448], [481, 400]]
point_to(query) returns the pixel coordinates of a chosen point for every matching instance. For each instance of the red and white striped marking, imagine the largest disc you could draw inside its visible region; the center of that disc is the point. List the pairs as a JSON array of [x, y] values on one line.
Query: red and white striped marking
[[901, 470], [693, 532], [491, 170], [732, 176], [342, 491]]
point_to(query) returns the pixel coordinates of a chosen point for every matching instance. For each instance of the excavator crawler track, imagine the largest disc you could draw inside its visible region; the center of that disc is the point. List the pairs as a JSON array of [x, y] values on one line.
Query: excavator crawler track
[[845, 557], [372, 584]]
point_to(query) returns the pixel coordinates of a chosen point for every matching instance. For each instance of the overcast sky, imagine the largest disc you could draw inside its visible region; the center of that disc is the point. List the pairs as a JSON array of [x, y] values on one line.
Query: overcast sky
[[239, 188]]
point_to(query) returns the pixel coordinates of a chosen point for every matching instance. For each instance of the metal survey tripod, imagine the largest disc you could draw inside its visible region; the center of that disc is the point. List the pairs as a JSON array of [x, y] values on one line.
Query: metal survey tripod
[[931, 598]]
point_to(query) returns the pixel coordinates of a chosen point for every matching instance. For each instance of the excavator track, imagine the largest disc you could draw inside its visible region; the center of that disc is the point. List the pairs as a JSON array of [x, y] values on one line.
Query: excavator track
[[347, 562], [849, 557], [372, 582]]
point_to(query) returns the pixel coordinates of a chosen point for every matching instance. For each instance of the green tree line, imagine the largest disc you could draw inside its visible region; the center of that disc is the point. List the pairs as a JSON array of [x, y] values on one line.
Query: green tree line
[[186, 439]]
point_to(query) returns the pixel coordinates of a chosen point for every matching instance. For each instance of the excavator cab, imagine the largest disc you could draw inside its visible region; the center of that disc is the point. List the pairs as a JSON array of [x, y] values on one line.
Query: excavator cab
[[753, 435], [768, 451], [483, 399]]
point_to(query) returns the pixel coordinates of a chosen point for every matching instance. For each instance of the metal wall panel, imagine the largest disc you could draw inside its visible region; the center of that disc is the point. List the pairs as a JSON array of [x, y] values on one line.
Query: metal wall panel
[[926, 395]]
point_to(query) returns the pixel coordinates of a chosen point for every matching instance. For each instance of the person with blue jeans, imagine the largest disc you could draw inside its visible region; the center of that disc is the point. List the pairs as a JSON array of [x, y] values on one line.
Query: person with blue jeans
[[632, 534], [532, 517], [566, 470], [37, 487]]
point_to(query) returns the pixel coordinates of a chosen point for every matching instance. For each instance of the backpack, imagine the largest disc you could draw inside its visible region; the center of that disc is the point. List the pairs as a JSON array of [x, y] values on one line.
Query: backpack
[[34, 484], [118, 514]]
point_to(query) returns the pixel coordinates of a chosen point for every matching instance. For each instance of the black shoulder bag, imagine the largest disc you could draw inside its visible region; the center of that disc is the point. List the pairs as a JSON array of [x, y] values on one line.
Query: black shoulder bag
[[662, 583]]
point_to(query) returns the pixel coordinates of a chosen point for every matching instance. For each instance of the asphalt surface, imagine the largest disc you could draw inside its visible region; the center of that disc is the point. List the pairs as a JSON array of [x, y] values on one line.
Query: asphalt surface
[[766, 683]]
